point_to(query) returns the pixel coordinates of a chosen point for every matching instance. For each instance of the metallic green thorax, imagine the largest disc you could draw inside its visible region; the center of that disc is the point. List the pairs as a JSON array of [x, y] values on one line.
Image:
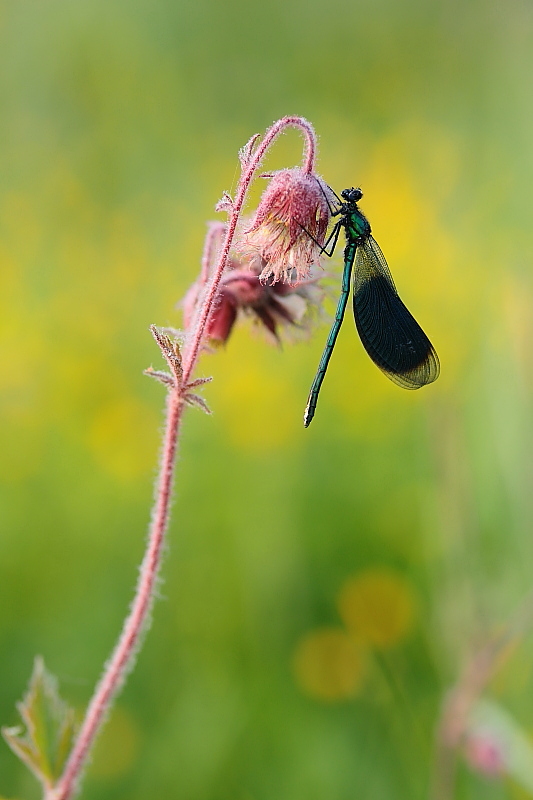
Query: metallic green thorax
[[356, 226]]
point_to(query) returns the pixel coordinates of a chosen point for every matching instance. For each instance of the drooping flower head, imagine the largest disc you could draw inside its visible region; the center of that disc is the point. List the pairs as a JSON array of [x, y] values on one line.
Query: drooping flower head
[[272, 305], [242, 292], [289, 226]]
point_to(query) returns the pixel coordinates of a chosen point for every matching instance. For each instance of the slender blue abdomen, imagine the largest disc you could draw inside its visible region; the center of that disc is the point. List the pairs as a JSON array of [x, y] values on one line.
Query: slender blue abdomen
[[349, 256]]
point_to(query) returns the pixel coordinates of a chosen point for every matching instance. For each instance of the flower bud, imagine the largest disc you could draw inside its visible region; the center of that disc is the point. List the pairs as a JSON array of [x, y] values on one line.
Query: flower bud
[[289, 226], [272, 305]]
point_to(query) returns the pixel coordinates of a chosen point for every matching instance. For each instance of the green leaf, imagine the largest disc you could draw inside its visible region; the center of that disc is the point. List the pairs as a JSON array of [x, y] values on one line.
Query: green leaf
[[49, 731]]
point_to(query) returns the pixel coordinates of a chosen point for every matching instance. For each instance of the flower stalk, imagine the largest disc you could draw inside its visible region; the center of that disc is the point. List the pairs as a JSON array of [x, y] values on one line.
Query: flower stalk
[[178, 381], [250, 162]]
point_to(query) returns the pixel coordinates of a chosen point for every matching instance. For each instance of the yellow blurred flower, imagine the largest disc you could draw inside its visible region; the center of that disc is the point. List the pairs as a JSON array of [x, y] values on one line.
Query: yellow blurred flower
[[378, 607], [328, 665], [242, 393], [121, 438]]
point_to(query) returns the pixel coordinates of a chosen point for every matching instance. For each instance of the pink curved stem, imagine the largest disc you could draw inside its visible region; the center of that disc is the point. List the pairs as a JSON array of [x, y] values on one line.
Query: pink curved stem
[[127, 645], [122, 658], [247, 175]]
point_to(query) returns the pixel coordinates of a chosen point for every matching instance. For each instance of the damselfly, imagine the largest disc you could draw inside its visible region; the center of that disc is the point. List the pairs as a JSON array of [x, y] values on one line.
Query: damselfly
[[390, 335]]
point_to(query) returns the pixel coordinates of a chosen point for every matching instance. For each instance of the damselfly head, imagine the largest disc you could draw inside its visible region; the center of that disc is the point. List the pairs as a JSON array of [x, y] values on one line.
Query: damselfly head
[[352, 195]]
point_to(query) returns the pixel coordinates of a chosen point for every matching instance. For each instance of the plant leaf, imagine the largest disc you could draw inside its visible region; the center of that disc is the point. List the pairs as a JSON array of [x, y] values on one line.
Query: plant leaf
[[50, 727]]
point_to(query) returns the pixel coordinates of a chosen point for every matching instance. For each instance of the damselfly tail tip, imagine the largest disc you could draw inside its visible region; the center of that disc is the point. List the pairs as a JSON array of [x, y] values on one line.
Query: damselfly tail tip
[[308, 416]]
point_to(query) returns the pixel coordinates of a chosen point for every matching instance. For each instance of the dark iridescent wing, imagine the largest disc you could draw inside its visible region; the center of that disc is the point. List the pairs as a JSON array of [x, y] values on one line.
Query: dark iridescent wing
[[390, 334]]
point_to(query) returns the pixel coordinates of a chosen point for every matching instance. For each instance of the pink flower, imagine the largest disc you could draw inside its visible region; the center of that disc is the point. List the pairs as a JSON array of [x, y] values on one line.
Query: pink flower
[[289, 226], [272, 305]]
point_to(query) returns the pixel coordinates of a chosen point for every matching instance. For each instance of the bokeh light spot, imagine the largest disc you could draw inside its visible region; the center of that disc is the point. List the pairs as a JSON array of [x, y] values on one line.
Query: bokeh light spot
[[258, 405], [122, 438], [378, 607], [328, 665]]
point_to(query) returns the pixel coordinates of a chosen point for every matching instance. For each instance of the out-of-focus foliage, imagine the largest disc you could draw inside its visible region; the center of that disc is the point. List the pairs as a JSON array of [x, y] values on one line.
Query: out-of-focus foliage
[[260, 679], [46, 739]]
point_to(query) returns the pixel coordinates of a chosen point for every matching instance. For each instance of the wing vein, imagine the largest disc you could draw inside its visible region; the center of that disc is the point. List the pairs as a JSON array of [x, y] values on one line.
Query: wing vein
[[390, 334]]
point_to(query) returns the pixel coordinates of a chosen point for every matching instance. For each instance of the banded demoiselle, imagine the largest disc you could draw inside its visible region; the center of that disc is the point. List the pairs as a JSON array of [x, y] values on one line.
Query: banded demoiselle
[[390, 334]]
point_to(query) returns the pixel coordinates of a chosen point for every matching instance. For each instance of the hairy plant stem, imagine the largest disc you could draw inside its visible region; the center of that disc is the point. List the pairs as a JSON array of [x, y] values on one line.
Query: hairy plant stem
[[122, 657], [134, 625]]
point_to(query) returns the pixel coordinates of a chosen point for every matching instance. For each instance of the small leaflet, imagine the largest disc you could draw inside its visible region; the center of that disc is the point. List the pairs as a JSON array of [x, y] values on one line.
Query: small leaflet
[[45, 739]]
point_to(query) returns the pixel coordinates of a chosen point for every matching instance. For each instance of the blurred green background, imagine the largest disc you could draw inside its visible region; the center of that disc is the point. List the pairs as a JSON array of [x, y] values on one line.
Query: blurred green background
[[322, 587]]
